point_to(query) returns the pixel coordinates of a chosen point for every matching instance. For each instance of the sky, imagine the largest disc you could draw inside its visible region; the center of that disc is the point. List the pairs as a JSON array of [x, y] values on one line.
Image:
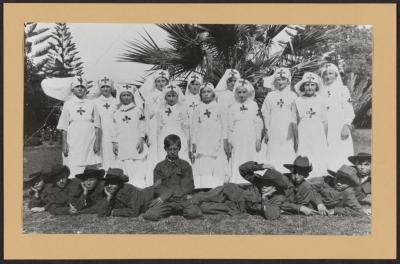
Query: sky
[[99, 46]]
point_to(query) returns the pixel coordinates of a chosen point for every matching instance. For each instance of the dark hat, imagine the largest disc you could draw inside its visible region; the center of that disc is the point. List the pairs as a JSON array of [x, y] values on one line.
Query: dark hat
[[271, 211], [91, 172], [56, 172], [273, 178], [300, 163], [115, 175], [347, 172], [362, 156], [33, 178]]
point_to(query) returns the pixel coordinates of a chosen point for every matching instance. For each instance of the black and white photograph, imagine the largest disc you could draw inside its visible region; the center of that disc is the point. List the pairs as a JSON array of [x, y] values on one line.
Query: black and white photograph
[[206, 129]]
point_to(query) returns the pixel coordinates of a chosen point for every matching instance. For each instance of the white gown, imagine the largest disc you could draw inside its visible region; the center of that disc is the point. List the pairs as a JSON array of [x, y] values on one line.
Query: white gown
[[173, 120], [244, 128], [106, 108], [279, 113], [210, 168], [129, 127], [312, 138], [340, 112], [226, 98], [79, 118]]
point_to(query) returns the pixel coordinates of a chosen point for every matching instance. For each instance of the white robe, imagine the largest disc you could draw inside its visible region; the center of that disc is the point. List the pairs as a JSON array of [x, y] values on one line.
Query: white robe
[[79, 118], [191, 102], [210, 168], [244, 129], [226, 98], [153, 102], [312, 138], [106, 108], [173, 120], [129, 127], [340, 112], [279, 113]]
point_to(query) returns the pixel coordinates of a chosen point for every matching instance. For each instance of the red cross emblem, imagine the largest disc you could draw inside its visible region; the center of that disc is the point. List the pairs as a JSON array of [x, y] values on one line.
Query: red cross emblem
[[280, 102], [106, 106], [243, 108], [126, 119], [310, 113], [169, 111], [80, 110], [207, 113], [105, 79]]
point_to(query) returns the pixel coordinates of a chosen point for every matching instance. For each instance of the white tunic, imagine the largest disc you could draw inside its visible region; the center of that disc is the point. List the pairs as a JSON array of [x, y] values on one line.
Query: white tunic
[[226, 98], [279, 113], [244, 129], [79, 118], [312, 138], [106, 108], [340, 112], [129, 127], [191, 102], [209, 129], [173, 120]]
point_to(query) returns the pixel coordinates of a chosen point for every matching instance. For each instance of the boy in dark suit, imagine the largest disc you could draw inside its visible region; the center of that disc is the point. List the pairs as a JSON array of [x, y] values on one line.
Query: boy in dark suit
[[37, 192], [173, 180], [362, 162]]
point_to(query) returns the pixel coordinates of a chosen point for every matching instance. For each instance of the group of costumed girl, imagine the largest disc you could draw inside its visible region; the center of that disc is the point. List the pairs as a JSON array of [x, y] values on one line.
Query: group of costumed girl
[[220, 127]]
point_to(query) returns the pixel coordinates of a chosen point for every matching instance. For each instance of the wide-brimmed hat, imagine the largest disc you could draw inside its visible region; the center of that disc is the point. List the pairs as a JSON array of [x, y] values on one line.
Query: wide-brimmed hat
[[347, 172], [91, 172], [273, 178], [362, 156], [115, 175], [300, 162], [33, 178], [56, 173]]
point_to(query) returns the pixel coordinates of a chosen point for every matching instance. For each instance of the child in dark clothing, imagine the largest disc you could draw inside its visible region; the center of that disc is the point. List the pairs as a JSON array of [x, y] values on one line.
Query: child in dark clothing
[[37, 193], [173, 180], [362, 162]]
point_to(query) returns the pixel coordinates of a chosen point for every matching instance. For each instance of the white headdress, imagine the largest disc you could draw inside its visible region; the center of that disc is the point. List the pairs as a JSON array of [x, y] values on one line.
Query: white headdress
[[124, 87], [105, 81], [149, 84], [279, 72], [207, 86], [221, 86], [309, 77], [58, 88], [246, 84], [193, 77], [334, 68], [175, 88]]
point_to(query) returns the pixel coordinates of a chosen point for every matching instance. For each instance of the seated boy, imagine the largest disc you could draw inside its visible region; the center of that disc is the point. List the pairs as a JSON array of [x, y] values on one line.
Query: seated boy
[[58, 191], [340, 199], [37, 192], [362, 162], [85, 195], [301, 196], [173, 180], [121, 198]]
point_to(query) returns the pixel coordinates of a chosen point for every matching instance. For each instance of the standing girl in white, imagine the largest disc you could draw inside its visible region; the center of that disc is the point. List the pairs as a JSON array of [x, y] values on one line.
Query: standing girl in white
[[340, 117], [128, 138], [210, 168], [192, 98], [173, 118], [312, 123], [224, 88], [244, 129], [106, 106], [80, 125], [279, 115]]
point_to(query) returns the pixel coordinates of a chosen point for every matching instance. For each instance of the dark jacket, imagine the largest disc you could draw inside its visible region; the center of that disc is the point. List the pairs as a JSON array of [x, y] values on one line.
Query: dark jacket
[[60, 199], [173, 179], [86, 204], [129, 201], [40, 201], [363, 190]]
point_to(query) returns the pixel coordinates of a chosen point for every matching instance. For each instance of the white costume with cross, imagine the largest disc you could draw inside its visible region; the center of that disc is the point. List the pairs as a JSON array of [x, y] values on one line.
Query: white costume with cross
[[153, 101], [79, 118], [340, 112], [106, 106], [311, 113], [192, 100], [173, 120], [129, 129], [210, 168], [244, 127], [279, 114]]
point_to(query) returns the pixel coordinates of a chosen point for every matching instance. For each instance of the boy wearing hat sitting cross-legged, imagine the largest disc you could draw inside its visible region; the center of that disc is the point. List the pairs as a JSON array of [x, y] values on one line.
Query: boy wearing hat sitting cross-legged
[[300, 196], [340, 199], [86, 195], [37, 191], [58, 191], [121, 198]]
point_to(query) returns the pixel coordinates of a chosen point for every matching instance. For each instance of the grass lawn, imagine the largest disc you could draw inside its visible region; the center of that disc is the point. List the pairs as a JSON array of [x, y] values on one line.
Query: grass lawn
[[210, 224]]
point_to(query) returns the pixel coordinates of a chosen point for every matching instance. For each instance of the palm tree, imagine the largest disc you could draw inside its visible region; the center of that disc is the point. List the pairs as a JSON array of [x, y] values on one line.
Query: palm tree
[[211, 49]]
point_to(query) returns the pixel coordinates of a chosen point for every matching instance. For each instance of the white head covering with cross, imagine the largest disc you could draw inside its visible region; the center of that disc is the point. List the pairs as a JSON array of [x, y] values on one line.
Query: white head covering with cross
[[309, 77], [178, 90], [194, 76], [247, 85], [124, 87], [334, 68], [207, 86], [221, 86]]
